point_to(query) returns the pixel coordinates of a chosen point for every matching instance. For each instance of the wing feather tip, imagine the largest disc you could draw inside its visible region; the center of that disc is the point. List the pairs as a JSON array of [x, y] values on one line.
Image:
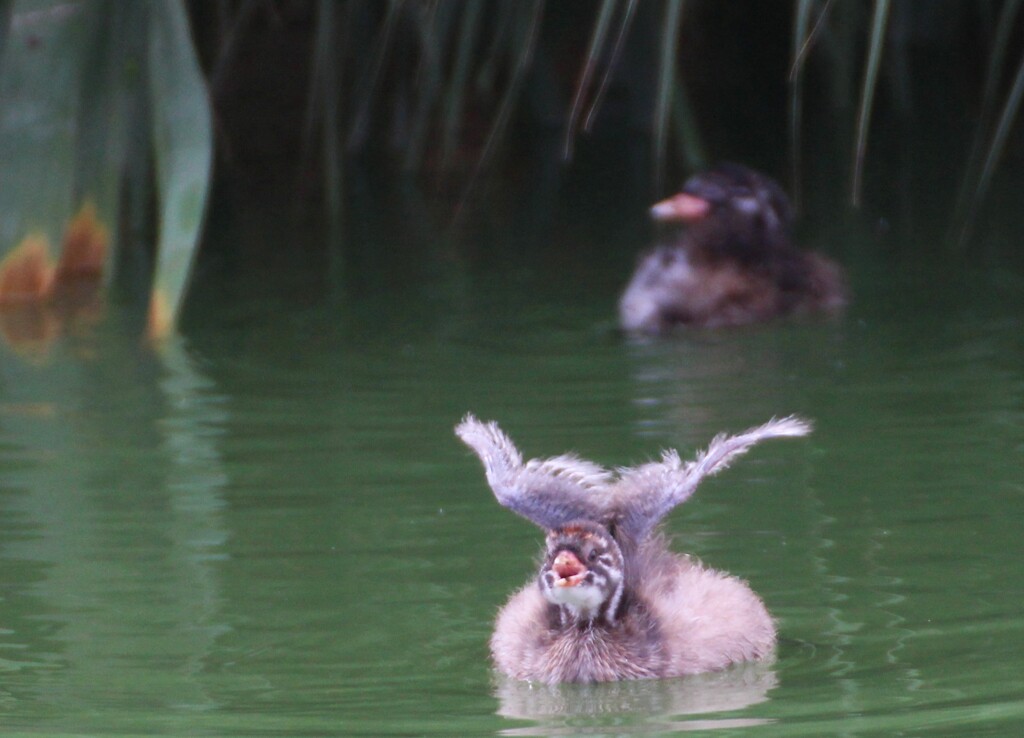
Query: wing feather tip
[[471, 427], [791, 425], [467, 424]]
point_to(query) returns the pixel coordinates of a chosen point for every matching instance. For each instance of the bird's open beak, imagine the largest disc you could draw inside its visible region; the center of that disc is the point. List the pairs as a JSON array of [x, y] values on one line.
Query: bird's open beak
[[681, 208], [568, 568]]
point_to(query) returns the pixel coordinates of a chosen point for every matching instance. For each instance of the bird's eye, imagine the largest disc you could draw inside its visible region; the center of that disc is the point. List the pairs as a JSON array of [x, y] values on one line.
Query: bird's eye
[[592, 556]]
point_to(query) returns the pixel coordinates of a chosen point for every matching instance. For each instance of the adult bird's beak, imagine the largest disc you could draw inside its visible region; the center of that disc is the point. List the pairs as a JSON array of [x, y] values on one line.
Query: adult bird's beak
[[681, 208]]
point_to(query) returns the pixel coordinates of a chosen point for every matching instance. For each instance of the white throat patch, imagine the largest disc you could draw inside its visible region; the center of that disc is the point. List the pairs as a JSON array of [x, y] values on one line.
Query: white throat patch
[[583, 600]]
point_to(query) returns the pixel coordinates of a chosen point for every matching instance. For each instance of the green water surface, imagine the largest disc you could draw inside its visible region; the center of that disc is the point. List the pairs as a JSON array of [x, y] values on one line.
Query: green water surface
[[268, 527]]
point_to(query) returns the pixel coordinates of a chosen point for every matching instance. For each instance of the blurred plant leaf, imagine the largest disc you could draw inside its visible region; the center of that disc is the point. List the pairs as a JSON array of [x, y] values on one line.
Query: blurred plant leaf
[[688, 138], [110, 80], [38, 101], [801, 40], [366, 93], [594, 51], [54, 238], [183, 146], [879, 21], [469, 30], [72, 85], [971, 181], [613, 60], [995, 151], [524, 38], [666, 86], [324, 107], [804, 36], [435, 25]]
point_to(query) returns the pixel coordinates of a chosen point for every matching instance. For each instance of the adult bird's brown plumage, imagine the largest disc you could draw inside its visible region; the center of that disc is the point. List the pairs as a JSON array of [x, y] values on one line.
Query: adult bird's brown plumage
[[727, 258]]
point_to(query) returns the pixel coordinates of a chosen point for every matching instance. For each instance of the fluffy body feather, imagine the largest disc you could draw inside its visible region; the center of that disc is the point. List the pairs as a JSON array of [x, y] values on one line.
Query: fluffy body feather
[[682, 618], [611, 601]]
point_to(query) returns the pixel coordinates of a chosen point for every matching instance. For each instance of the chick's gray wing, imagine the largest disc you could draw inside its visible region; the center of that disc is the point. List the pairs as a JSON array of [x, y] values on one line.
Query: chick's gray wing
[[548, 492]]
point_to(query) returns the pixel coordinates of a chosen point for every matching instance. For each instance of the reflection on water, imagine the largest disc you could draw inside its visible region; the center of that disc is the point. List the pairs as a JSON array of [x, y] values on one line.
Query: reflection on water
[[269, 528], [638, 707], [117, 516]]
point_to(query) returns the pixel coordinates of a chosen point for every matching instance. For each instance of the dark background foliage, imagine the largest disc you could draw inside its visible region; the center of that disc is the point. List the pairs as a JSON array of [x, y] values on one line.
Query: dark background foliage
[[319, 104]]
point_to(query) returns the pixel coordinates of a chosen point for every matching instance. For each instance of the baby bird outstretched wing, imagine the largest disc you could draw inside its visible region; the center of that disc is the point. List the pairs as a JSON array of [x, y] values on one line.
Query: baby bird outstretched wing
[[647, 493], [548, 492]]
